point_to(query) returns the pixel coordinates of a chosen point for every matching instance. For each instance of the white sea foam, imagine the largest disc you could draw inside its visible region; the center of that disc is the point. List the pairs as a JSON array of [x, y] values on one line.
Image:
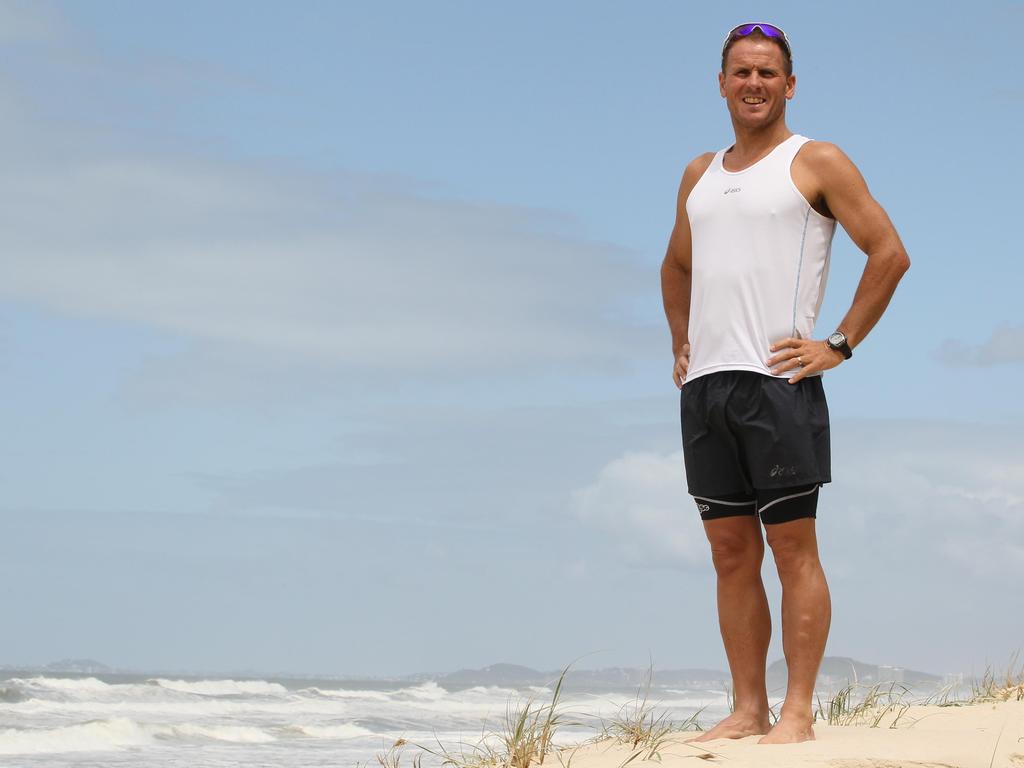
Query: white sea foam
[[96, 735], [116, 733], [494, 690], [197, 707], [84, 685], [341, 693], [236, 734], [709, 698], [52, 716], [339, 731], [429, 691], [223, 687]]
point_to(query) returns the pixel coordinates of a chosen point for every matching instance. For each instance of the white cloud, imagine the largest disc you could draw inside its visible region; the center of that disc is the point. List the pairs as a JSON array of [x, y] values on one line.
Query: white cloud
[[934, 494], [341, 268], [382, 278], [640, 499], [938, 498], [1006, 345]]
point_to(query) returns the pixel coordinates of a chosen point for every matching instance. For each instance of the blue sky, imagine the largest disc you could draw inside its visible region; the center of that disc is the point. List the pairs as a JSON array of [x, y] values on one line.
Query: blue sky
[[331, 334]]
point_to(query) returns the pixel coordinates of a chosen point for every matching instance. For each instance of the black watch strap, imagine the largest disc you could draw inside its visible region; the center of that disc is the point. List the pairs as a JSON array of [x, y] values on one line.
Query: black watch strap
[[838, 341]]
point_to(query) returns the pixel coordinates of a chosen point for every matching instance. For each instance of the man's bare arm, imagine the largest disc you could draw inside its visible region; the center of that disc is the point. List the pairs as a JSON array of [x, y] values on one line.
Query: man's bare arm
[[847, 197], [866, 222], [675, 270]]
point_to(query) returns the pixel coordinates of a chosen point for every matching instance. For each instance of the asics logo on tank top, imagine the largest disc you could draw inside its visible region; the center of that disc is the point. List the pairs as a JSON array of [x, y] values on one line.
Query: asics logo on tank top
[[759, 262]]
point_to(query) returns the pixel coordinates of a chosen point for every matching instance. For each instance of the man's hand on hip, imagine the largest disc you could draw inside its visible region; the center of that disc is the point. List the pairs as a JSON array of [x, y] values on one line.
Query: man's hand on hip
[[681, 366], [807, 354]]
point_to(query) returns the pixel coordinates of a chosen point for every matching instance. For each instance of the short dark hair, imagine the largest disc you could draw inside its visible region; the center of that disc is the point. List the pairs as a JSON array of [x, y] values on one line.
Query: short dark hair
[[787, 60]]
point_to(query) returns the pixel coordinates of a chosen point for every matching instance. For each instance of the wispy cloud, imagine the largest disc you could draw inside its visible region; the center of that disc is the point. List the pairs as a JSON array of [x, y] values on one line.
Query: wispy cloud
[[370, 277], [348, 269], [912, 494], [640, 499], [1006, 345]]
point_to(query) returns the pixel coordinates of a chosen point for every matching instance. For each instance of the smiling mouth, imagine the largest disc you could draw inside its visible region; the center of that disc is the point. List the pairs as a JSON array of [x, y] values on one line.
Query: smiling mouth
[[753, 100]]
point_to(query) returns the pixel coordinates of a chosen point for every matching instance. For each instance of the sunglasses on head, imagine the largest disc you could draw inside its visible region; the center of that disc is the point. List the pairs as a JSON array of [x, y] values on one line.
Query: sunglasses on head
[[769, 30]]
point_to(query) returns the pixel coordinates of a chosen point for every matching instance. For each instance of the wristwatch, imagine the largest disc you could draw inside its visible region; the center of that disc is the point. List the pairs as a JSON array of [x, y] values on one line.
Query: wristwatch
[[838, 342]]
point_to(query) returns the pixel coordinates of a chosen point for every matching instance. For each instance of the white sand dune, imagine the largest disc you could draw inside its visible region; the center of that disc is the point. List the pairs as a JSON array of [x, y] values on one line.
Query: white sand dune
[[987, 735]]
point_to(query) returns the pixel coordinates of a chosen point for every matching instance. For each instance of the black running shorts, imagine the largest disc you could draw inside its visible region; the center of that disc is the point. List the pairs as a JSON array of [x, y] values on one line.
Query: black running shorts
[[744, 431]]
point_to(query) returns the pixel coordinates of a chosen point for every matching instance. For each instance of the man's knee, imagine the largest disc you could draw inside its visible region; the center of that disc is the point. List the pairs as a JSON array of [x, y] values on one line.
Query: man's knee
[[793, 544], [736, 545]]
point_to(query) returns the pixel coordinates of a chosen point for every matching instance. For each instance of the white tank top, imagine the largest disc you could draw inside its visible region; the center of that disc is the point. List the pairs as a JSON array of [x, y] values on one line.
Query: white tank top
[[759, 266]]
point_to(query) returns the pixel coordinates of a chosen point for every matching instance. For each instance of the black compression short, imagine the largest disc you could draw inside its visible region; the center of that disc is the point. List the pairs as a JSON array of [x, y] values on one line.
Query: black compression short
[[746, 433], [774, 505]]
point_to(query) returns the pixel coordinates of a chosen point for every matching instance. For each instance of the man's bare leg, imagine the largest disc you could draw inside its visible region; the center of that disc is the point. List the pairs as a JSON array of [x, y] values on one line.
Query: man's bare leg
[[737, 550], [806, 617]]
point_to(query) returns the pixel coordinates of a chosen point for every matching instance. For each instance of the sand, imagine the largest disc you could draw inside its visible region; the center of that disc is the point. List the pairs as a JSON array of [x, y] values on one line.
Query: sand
[[987, 735]]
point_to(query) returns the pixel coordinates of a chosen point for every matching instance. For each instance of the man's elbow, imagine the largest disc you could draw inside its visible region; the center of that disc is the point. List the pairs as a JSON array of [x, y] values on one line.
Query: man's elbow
[[896, 261], [902, 261]]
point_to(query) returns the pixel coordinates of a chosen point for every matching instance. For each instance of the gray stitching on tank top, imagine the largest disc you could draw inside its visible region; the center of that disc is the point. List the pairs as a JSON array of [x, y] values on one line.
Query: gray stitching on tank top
[[799, 266]]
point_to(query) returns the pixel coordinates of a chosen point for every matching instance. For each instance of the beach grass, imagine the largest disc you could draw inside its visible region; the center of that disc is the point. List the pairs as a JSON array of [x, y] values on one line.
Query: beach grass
[[525, 737], [994, 687], [639, 725], [858, 703], [847, 708], [529, 730], [943, 697], [392, 756]]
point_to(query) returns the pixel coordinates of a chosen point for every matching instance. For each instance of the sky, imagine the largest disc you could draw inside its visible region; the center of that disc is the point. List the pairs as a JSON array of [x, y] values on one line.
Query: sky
[[331, 335]]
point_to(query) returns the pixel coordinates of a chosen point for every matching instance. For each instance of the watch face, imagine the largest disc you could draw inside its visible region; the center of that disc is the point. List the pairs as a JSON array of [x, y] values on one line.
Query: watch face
[[837, 339]]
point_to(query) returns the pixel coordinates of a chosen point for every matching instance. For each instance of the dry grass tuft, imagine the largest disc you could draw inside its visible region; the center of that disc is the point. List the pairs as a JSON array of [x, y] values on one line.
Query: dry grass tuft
[[529, 731], [638, 725], [991, 688], [524, 738], [877, 701], [392, 757], [526, 735], [848, 708]]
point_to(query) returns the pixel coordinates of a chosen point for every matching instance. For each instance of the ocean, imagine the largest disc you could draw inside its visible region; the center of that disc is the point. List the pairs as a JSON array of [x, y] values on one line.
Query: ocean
[[121, 720]]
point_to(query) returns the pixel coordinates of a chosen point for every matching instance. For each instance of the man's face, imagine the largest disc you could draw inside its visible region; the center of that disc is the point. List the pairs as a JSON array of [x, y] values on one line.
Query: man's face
[[754, 84]]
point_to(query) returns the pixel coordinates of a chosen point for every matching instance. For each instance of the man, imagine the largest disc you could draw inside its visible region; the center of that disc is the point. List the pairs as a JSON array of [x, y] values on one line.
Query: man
[[743, 281]]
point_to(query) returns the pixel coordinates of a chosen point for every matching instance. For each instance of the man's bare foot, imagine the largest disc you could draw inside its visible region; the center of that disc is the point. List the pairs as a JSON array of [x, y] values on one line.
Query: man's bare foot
[[790, 729], [736, 726]]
